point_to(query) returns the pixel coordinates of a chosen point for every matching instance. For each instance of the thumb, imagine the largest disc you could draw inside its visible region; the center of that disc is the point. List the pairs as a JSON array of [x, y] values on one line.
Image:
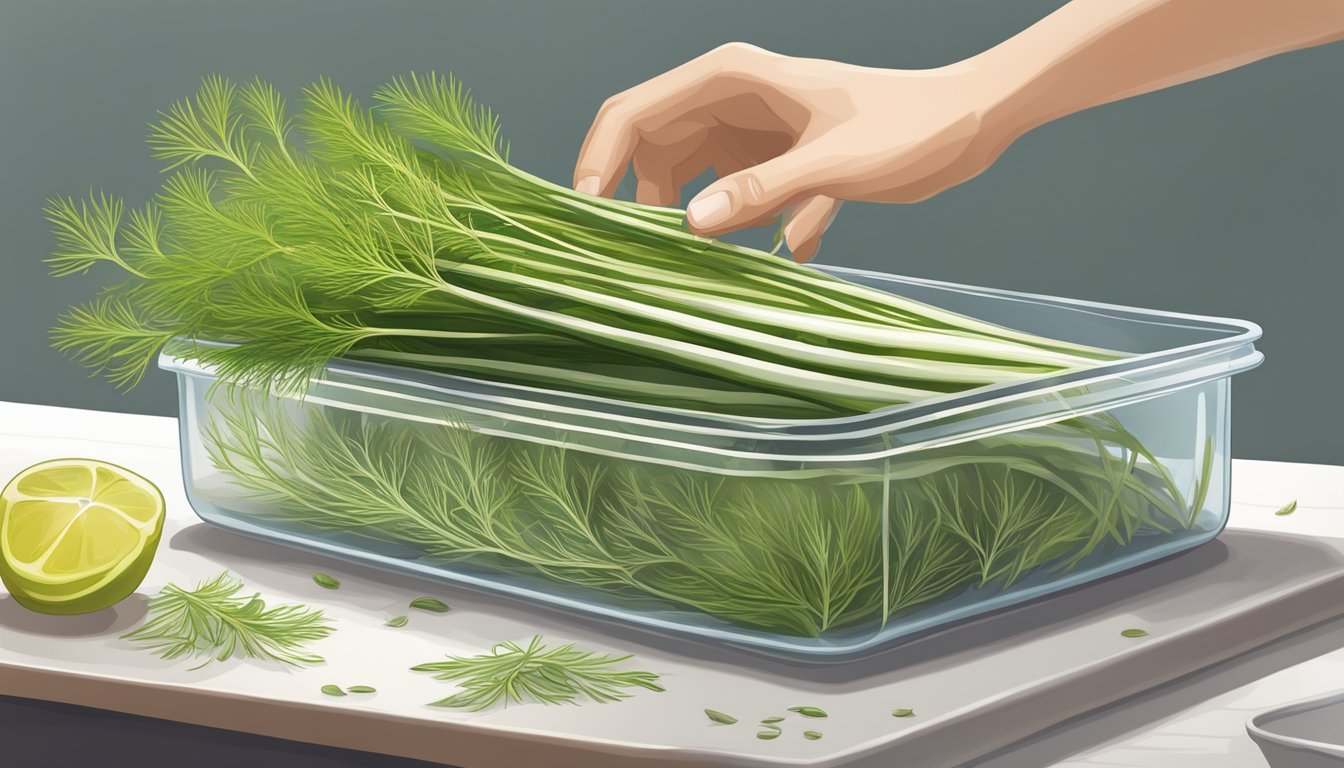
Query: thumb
[[756, 193]]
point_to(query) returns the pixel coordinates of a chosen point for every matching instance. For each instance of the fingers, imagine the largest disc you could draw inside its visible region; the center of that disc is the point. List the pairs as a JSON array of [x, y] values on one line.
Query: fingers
[[808, 223], [758, 192], [666, 159], [614, 134]]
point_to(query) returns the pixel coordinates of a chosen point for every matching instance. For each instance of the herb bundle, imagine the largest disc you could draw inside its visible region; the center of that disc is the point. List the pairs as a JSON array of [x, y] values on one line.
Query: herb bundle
[[402, 235]]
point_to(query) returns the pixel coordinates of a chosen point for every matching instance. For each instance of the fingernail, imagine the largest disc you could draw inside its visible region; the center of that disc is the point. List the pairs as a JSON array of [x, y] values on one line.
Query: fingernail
[[589, 185], [709, 210]]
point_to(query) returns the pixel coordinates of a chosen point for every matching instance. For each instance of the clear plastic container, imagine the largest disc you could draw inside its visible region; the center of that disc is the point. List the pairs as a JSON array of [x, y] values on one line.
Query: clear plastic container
[[820, 538]]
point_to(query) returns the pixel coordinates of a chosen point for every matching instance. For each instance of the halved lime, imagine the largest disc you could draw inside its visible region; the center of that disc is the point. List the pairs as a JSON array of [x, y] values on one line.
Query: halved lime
[[77, 535]]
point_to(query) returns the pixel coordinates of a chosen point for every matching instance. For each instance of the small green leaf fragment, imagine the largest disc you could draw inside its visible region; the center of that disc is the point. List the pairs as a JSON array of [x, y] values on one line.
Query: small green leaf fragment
[[902, 713], [1134, 633], [333, 690], [769, 735], [809, 711], [1287, 509], [397, 621], [812, 735], [326, 581], [719, 717], [778, 241], [772, 720], [429, 604], [362, 689]]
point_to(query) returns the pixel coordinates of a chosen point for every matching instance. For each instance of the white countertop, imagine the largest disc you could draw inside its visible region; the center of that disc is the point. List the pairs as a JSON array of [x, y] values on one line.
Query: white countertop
[[1193, 724]]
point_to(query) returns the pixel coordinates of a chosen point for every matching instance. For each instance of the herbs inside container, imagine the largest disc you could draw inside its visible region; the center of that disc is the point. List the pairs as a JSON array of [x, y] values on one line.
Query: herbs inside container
[[215, 621], [512, 673], [982, 514]]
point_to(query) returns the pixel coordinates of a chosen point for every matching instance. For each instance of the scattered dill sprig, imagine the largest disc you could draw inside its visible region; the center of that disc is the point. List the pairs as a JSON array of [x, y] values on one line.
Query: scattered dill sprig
[[512, 673], [216, 622]]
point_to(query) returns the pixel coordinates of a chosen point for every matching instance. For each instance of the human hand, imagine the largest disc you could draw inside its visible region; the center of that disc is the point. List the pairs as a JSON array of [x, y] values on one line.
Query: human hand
[[796, 136], [792, 136]]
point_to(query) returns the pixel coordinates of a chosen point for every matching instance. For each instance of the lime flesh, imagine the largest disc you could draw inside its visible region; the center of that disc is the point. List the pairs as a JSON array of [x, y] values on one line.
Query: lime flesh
[[77, 535]]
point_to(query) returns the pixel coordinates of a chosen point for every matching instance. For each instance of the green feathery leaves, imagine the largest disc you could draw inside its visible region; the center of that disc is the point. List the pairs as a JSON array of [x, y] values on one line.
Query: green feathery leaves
[[209, 126], [216, 622], [86, 233], [112, 335], [440, 110], [358, 219], [512, 673], [266, 112]]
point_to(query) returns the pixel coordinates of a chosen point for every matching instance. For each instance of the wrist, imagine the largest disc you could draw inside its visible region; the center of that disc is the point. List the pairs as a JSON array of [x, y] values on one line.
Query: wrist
[[984, 98], [1000, 88]]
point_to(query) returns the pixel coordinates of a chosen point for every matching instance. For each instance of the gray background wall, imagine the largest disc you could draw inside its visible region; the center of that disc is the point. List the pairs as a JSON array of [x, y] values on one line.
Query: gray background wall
[[1221, 197]]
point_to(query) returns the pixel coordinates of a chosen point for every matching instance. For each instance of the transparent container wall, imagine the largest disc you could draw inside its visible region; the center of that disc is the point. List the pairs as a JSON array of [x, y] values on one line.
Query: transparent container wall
[[816, 556]]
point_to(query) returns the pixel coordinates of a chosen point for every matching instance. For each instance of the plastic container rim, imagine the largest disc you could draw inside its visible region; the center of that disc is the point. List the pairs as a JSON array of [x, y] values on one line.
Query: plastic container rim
[[1136, 368]]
